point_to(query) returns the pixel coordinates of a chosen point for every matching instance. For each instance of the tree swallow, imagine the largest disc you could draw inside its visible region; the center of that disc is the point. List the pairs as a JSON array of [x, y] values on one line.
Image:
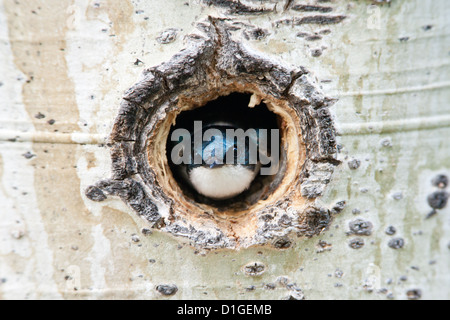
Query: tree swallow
[[227, 161], [219, 149]]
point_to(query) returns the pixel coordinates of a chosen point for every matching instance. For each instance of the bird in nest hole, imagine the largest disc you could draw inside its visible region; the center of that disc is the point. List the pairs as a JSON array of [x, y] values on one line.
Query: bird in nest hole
[[219, 149], [225, 167]]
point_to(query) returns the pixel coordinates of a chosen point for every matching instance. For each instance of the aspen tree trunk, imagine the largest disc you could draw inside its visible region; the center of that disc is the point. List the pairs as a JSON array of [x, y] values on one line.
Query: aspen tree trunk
[[64, 68]]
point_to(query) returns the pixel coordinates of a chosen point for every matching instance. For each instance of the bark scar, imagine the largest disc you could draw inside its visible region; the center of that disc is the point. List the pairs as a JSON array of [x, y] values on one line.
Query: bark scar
[[213, 64]]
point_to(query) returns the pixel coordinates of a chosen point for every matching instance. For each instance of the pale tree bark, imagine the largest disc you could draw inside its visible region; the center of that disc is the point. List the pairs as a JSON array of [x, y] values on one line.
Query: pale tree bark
[[381, 68]]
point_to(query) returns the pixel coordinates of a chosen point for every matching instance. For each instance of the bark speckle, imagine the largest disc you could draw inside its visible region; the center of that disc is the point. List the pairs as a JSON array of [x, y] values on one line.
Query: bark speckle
[[316, 52], [390, 230], [167, 36], [282, 243], [28, 155], [360, 227], [356, 243], [254, 269], [397, 195], [438, 199], [39, 115], [396, 243], [354, 164], [440, 181], [414, 294], [167, 289], [339, 206]]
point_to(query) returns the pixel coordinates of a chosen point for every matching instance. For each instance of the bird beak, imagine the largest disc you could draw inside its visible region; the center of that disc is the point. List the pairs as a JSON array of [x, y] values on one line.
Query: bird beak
[[215, 165]]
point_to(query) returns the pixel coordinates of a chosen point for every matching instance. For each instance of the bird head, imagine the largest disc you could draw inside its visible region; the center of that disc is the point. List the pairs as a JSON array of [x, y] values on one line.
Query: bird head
[[226, 165]]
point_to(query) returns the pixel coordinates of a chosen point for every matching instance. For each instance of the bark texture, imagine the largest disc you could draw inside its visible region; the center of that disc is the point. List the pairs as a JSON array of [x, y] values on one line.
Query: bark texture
[[65, 72]]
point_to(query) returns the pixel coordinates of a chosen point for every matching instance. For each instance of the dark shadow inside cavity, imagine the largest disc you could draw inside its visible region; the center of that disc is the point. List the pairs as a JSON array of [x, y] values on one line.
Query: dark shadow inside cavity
[[233, 109]]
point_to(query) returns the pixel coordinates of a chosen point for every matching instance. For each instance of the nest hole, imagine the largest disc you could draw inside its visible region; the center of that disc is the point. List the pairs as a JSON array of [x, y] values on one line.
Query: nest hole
[[245, 111]]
